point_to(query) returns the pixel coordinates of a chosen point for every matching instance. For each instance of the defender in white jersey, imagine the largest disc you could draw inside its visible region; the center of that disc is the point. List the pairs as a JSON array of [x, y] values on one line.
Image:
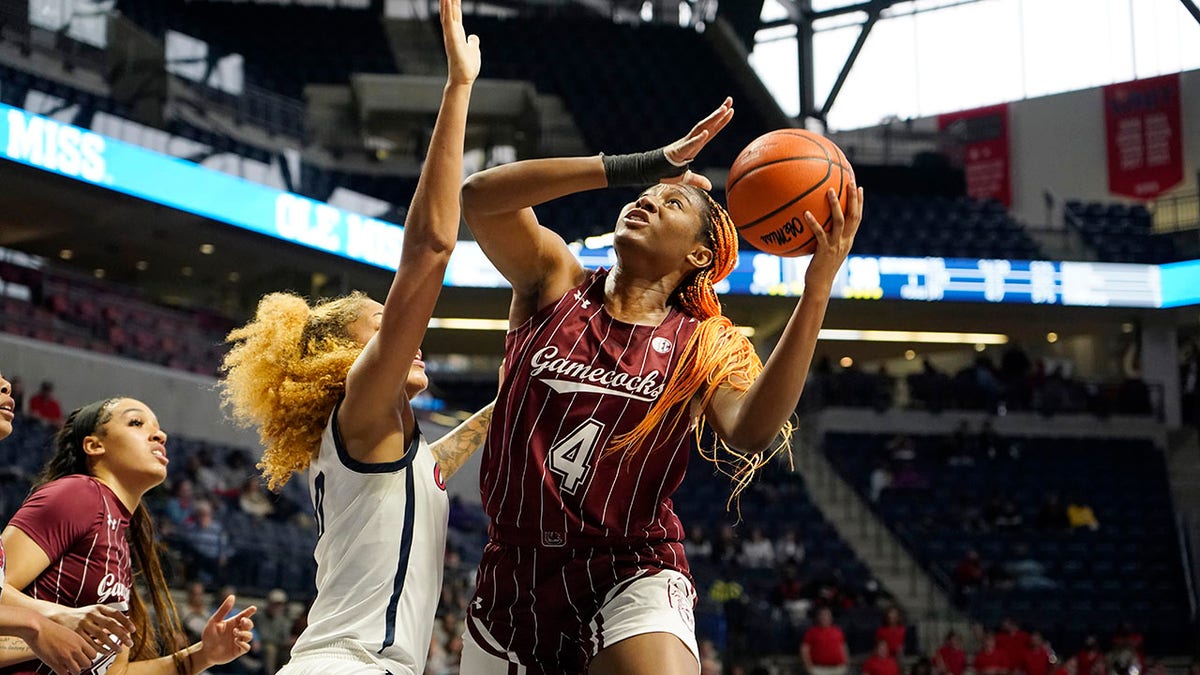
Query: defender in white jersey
[[328, 387], [381, 538]]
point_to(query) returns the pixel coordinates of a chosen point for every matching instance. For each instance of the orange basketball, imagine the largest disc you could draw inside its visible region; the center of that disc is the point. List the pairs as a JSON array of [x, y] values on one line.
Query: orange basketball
[[778, 177]]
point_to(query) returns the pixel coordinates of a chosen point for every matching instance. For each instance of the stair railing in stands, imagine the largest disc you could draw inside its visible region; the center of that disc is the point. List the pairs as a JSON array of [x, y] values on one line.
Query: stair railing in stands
[[1187, 528]]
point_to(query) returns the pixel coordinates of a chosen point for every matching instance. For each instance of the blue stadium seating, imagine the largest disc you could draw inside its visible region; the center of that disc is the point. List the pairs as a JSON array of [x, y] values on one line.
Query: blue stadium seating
[[1130, 569], [1120, 232]]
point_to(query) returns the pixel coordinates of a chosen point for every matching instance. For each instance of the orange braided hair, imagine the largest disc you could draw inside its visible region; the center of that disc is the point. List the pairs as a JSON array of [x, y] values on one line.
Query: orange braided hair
[[717, 354]]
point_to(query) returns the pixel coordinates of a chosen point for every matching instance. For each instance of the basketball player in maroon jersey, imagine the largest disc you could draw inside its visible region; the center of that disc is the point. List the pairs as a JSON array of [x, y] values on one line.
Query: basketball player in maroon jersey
[[83, 535], [60, 648], [608, 373]]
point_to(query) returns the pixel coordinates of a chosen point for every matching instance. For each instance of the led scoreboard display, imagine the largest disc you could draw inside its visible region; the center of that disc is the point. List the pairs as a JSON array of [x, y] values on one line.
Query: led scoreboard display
[[91, 158]]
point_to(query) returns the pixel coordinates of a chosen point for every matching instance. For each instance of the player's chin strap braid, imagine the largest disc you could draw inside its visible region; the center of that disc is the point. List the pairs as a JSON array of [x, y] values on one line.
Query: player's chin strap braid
[[640, 169]]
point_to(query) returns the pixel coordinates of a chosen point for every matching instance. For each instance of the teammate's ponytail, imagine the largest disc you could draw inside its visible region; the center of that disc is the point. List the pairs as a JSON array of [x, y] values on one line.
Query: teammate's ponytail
[[286, 372], [717, 354]]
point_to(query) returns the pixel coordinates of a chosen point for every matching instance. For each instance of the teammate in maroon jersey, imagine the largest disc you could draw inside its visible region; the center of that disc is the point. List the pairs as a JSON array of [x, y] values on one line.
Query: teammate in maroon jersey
[[608, 373], [83, 535], [60, 648]]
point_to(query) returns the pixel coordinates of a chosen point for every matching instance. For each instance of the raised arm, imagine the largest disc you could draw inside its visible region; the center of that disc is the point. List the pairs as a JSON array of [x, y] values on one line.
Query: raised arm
[[375, 386], [748, 421], [498, 206]]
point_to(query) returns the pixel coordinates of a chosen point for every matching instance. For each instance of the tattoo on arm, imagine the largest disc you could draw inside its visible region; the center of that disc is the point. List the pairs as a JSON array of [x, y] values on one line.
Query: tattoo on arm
[[13, 650], [453, 449]]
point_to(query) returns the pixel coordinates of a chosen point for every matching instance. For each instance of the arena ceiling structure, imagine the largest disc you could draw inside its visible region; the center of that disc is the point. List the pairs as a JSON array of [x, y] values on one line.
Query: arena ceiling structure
[[846, 64]]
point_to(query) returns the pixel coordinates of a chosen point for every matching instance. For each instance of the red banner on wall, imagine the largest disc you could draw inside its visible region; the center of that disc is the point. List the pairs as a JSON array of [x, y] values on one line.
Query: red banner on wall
[[1143, 130], [978, 142]]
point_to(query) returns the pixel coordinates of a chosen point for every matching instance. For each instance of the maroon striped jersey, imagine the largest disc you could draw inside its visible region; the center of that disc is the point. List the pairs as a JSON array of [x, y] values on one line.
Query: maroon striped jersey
[[81, 526], [575, 378]]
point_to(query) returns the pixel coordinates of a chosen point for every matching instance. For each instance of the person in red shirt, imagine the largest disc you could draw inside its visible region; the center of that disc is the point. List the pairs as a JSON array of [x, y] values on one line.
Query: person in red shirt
[[881, 662], [1038, 657], [1068, 667], [824, 647], [892, 632], [83, 536], [45, 407], [1013, 641], [991, 660], [950, 658], [1090, 659]]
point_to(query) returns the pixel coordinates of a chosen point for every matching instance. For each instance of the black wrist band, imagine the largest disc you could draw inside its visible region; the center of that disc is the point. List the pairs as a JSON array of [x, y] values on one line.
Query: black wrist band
[[639, 169]]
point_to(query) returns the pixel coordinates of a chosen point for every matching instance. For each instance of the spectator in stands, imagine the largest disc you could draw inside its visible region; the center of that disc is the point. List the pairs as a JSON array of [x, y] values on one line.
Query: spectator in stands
[[1008, 519], [880, 480], [892, 632], [823, 649], [697, 546], [970, 575], [107, 456], [757, 551], [1126, 653], [1015, 367], [202, 472], [181, 507], [1052, 516], [881, 661], [1133, 397], [253, 499], [1189, 383], [43, 406], [195, 611], [790, 594], [950, 658], [1028, 574], [1013, 641], [964, 446], [901, 448], [1068, 667], [1081, 515], [1128, 637], [232, 476], [789, 550], [273, 627], [922, 666], [208, 545], [17, 391], [991, 660], [725, 549], [1038, 656], [908, 477], [710, 660], [967, 515], [438, 660], [1090, 659], [991, 444]]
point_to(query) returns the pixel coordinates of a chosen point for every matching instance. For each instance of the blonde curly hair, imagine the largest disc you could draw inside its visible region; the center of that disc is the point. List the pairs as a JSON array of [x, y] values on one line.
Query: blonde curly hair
[[286, 372]]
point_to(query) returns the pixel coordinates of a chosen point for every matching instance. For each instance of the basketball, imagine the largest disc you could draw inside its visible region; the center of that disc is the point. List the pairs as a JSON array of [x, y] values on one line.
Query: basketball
[[778, 177]]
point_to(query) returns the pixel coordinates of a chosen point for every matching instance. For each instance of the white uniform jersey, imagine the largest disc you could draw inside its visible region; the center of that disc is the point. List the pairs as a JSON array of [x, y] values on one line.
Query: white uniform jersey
[[380, 551]]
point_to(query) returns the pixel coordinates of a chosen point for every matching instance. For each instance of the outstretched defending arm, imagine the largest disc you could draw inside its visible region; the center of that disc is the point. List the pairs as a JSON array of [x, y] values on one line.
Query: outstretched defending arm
[[375, 386]]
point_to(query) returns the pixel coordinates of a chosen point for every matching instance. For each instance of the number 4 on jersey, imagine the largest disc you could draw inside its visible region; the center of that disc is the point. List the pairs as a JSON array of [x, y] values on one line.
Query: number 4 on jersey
[[571, 458]]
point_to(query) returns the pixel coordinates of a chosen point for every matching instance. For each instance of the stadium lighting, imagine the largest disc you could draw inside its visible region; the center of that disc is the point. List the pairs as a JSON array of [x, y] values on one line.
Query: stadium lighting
[[931, 337]]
